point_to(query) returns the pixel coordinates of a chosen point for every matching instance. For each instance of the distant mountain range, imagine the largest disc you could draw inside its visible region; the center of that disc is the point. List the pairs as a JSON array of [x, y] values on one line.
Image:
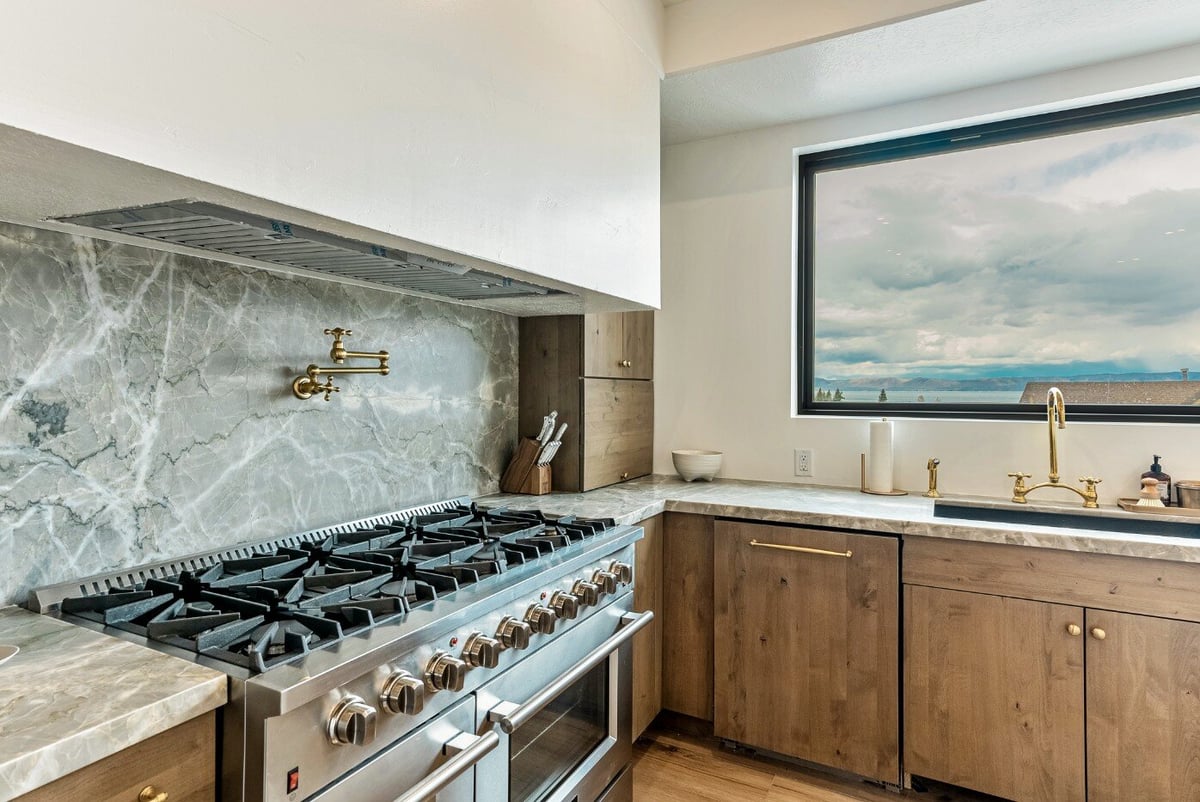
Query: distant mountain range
[[994, 383]]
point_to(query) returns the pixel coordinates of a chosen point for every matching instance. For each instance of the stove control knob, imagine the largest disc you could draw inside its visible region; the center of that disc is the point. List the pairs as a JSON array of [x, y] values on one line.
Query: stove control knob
[[513, 633], [622, 570], [588, 593], [564, 605], [605, 580], [352, 722], [541, 619], [445, 673], [480, 651], [402, 693]]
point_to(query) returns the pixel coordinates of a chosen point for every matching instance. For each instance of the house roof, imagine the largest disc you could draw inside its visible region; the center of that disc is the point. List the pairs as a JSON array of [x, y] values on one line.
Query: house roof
[[1170, 393]]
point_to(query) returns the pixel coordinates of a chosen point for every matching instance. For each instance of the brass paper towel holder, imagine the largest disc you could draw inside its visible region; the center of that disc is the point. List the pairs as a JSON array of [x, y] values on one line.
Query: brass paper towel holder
[[862, 481], [309, 384]]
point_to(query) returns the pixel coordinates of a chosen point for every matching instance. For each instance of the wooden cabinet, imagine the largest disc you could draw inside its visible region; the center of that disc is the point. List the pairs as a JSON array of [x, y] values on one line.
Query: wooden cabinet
[[807, 644], [180, 762], [1143, 707], [618, 345], [1055, 696], [618, 442], [687, 680], [575, 364], [993, 693], [647, 644]]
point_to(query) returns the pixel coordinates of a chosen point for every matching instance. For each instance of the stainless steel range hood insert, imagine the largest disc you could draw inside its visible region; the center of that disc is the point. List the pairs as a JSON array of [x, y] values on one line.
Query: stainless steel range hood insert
[[210, 227]]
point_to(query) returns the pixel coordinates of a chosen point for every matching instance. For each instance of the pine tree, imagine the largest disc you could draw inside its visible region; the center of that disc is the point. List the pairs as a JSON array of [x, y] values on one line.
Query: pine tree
[[882, 396], [837, 395]]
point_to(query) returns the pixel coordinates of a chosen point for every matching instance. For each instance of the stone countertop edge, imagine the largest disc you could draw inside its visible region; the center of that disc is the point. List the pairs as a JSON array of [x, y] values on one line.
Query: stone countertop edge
[[72, 696], [842, 508]]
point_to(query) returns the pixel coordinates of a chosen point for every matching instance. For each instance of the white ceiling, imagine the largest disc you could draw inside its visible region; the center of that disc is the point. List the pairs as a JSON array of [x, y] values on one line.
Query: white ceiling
[[961, 48]]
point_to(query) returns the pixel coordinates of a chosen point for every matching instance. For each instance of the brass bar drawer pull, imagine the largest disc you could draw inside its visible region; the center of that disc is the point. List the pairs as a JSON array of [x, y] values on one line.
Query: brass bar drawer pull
[[152, 794], [823, 552]]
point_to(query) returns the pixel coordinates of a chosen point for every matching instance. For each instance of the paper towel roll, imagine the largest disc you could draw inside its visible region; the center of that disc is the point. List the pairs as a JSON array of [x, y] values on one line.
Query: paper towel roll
[[879, 457]]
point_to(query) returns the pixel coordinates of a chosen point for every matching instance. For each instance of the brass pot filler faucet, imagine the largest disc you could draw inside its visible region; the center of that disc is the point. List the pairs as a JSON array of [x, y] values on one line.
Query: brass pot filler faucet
[[308, 385], [1056, 410]]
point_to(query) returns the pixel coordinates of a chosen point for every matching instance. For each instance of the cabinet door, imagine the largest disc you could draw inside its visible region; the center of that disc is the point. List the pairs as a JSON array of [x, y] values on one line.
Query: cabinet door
[[807, 645], [687, 681], [604, 345], [647, 644], [1143, 708], [993, 691], [618, 345], [618, 436]]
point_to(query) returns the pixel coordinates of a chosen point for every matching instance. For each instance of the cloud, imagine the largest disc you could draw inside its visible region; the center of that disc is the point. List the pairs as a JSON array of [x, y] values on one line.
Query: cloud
[[955, 260]]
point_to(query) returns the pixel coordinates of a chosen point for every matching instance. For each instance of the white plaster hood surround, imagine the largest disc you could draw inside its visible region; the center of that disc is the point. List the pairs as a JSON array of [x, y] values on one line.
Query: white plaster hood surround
[[964, 47]]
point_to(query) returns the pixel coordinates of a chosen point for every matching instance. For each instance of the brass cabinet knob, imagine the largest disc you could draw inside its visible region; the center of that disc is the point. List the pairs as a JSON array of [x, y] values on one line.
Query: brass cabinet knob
[[1098, 633], [625, 475], [152, 794], [1073, 630], [624, 363]]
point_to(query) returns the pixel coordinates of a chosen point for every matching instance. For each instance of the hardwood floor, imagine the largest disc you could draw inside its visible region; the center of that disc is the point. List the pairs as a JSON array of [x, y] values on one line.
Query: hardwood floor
[[670, 766]]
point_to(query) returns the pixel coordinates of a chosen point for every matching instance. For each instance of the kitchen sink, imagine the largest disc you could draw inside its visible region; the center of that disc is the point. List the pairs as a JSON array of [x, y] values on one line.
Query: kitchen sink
[[1106, 519]]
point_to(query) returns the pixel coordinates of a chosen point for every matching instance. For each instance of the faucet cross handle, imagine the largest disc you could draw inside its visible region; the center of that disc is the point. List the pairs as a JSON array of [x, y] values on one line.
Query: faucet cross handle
[[327, 388], [1091, 498], [339, 333], [1021, 477]]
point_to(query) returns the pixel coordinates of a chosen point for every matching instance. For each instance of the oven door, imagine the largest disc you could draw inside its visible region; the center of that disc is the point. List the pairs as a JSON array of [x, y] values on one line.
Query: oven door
[[562, 714]]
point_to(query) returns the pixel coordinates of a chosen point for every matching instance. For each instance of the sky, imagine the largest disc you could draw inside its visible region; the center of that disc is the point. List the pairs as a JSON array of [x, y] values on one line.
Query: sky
[[1075, 253]]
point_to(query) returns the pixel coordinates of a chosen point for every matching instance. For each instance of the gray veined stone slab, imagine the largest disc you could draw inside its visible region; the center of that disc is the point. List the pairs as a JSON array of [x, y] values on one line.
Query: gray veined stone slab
[[146, 410]]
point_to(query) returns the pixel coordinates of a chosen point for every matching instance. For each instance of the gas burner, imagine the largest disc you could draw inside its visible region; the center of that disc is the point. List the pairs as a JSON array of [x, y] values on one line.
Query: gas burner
[[274, 607]]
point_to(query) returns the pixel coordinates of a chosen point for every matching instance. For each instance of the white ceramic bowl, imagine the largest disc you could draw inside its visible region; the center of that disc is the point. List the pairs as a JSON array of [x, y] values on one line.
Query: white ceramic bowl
[[692, 465]]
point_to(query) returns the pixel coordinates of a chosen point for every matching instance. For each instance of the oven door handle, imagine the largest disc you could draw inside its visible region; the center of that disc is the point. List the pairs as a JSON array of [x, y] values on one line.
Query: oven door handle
[[470, 750], [510, 715]]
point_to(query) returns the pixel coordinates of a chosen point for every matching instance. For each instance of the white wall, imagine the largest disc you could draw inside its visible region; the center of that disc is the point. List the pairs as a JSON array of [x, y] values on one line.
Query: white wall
[[724, 358], [700, 33], [524, 133]]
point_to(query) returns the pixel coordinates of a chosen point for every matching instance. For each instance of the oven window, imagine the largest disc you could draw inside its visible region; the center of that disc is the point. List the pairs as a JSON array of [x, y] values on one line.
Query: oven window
[[549, 746]]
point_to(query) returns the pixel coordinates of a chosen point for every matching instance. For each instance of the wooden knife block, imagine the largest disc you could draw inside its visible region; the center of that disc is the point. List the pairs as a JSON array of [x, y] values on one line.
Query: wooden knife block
[[522, 475]]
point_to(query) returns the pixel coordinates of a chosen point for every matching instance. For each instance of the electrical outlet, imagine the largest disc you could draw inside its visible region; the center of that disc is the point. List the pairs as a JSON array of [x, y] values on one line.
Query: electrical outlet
[[804, 462]]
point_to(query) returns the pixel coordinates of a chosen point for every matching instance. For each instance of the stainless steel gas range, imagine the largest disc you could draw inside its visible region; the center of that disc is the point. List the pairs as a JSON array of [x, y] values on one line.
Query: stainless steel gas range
[[442, 651]]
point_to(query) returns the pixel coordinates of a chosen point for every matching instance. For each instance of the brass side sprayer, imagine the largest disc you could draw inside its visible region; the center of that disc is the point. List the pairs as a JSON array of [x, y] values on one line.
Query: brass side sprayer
[[309, 384], [932, 467]]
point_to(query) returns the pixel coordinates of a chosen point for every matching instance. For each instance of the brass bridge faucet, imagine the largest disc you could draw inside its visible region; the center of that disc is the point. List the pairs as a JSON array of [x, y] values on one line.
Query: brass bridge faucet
[[1056, 411], [308, 385]]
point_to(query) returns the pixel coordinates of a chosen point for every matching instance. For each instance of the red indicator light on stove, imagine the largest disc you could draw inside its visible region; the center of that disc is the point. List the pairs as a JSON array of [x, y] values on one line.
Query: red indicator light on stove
[[293, 780], [543, 596], [454, 641]]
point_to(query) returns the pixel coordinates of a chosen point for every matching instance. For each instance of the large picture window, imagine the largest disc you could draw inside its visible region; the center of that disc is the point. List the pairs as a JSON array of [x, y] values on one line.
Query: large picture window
[[966, 272]]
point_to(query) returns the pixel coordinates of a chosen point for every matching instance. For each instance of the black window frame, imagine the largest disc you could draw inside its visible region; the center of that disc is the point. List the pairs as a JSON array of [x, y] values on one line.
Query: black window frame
[[1037, 126]]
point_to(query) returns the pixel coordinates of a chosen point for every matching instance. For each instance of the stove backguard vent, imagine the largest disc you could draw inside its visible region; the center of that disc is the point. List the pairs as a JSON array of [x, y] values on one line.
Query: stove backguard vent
[[44, 599], [209, 227]]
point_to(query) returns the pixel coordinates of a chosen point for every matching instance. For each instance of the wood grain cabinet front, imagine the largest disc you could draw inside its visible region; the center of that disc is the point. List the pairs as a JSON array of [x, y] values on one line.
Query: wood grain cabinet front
[[179, 765], [647, 644], [618, 345], [595, 370], [1053, 697], [993, 693], [806, 644]]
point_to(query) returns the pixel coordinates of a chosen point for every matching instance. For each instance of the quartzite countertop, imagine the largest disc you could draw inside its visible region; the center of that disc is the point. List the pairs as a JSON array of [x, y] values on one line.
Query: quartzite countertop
[[910, 515], [72, 696]]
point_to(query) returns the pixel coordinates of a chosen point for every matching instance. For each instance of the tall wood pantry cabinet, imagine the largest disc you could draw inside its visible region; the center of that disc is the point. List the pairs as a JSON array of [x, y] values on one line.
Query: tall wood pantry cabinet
[[597, 371]]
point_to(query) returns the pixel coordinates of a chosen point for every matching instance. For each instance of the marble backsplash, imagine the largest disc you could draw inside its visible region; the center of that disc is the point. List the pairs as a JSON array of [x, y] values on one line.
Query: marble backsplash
[[146, 408]]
